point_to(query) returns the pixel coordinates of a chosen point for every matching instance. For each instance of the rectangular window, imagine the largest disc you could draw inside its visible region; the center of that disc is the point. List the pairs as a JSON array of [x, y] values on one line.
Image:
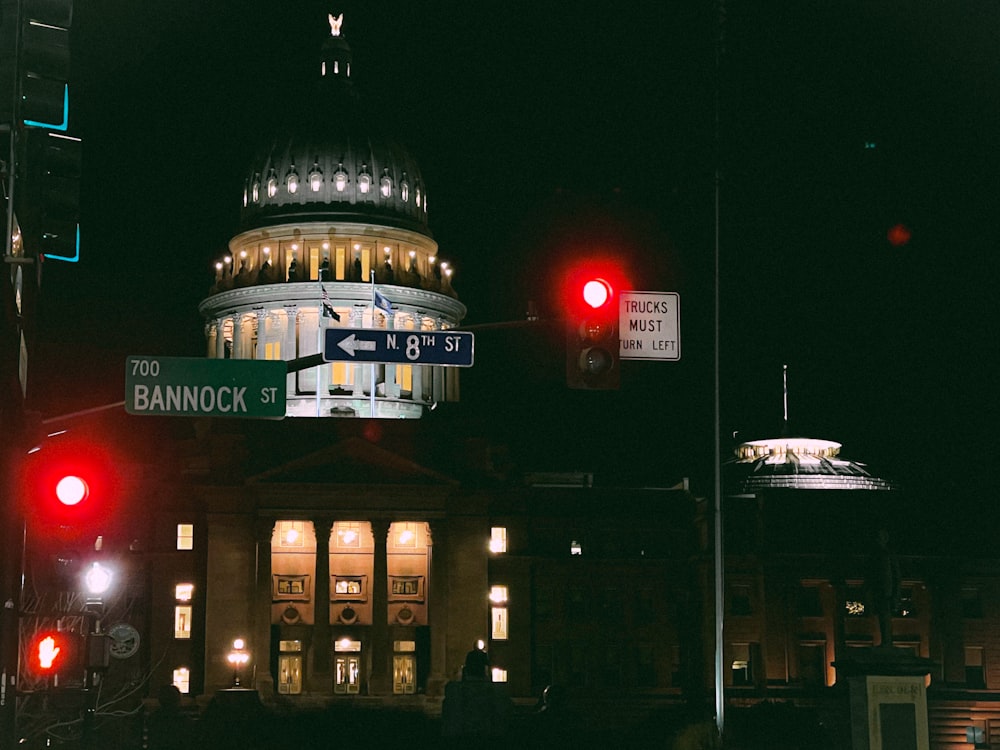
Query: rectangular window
[[809, 603], [313, 262], [498, 539], [498, 675], [812, 663], [182, 680], [498, 617], [404, 378], [854, 602], [272, 350], [291, 534], [743, 664], [183, 592], [975, 673], [972, 604], [182, 621], [906, 608], [498, 594], [185, 536], [348, 534]]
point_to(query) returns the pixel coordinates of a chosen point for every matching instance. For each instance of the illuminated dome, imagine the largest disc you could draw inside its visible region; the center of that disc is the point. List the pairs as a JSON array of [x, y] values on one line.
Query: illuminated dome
[[332, 162], [799, 464], [334, 234]]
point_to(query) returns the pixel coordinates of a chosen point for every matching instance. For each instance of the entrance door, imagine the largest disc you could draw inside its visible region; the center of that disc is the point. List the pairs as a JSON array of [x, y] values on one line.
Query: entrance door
[[404, 674], [289, 674], [347, 674]]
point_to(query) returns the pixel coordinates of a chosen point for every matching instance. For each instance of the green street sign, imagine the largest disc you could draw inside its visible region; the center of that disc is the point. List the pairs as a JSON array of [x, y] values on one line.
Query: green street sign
[[193, 387]]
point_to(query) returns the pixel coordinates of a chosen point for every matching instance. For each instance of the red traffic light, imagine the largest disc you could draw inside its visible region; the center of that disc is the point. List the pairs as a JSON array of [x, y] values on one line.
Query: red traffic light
[[71, 490], [597, 293]]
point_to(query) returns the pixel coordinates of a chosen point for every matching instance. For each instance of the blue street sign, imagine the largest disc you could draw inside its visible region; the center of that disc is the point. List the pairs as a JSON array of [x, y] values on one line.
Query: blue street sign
[[448, 348]]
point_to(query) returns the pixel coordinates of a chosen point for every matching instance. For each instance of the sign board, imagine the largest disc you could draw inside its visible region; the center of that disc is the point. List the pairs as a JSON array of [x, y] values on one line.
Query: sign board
[[649, 325], [448, 348], [194, 387]]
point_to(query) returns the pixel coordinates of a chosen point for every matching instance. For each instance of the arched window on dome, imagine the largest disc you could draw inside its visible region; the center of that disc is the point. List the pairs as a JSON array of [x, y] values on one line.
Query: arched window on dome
[[255, 189], [364, 180], [385, 184], [245, 194], [340, 179], [315, 177], [416, 195], [404, 189], [292, 181], [272, 184]]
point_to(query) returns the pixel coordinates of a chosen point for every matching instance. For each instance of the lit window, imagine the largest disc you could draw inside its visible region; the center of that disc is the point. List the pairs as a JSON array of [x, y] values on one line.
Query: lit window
[[364, 180], [348, 534], [340, 179], [575, 548], [407, 534], [291, 534], [404, 189], [498, 594], [183, 592], [315, 178], [272, 185], [346, 645], [743, 664], [386, 184], [292, 181], [182, 679], [404, 646], [854, 608], [498, 675], [182, 621], [255, 190], [498, 539], [245, 194], [498, 623], [185, 536], [417, 199]]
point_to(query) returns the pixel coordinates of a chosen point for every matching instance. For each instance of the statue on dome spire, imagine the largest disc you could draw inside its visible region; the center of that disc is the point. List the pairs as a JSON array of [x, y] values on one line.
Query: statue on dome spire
[[335, 23]]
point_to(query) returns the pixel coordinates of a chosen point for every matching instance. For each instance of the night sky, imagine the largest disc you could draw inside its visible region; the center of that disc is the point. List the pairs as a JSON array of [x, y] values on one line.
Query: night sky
[[836, 121]]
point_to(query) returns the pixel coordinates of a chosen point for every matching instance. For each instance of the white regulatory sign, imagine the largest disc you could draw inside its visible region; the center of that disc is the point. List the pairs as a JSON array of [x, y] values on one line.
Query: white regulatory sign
[[649, 325]]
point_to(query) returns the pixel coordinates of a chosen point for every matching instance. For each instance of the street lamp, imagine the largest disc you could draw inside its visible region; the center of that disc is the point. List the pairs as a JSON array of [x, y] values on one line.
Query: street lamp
[[238, 657]]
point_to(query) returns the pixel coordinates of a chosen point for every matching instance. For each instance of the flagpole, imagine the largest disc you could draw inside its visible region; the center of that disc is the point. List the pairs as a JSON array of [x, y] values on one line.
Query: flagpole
[[319, 343], [373, 364]]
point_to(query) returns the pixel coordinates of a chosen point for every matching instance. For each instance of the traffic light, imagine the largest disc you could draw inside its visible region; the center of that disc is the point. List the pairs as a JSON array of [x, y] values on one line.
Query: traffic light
[[592, 361], [44, 63], [48, 201], [69, 488], [54, 652]]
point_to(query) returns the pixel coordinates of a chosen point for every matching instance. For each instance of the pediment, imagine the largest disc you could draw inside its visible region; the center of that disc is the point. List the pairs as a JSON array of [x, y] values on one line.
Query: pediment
[[352, 461]]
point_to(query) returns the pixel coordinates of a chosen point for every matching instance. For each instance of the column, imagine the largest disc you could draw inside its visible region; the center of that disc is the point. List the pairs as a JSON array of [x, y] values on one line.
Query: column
[[260, 322], [261, 643], [237, 336], [289, 347], [220, 339], [321, 609], [437, 607], [379, 682]]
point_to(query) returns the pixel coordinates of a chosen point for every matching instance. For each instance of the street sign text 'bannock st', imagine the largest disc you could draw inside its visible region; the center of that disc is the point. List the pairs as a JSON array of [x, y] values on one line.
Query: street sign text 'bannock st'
[[190, 386]]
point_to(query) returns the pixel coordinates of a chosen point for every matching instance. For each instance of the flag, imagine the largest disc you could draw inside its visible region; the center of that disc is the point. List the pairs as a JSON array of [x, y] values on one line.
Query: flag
[[381, 300], [328, 311]]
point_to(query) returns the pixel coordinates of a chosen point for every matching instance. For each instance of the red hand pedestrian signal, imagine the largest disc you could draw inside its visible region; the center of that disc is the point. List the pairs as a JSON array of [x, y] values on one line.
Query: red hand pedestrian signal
[[48, 652]]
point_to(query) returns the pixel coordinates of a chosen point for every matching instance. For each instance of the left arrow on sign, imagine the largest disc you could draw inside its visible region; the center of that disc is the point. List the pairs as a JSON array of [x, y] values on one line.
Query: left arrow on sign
[[352, 344]]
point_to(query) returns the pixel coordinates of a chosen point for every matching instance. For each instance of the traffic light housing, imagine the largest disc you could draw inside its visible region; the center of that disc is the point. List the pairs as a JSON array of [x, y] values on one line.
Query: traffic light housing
[[44, 63], [69, 487], [592, 357], [54, 652], [48, 201]]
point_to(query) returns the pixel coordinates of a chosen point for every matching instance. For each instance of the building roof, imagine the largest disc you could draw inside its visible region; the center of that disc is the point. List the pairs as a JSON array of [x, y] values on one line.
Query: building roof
[[332, 161], [797, 463]]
